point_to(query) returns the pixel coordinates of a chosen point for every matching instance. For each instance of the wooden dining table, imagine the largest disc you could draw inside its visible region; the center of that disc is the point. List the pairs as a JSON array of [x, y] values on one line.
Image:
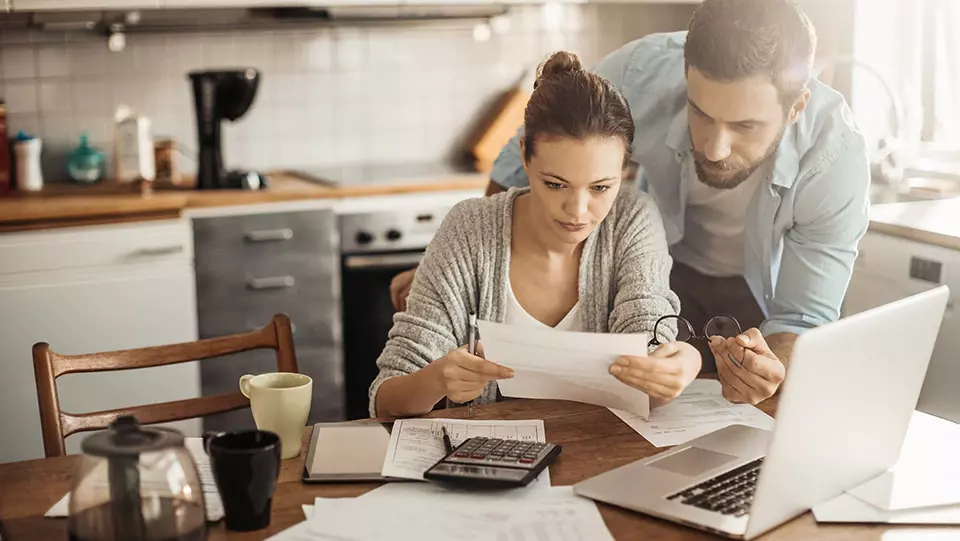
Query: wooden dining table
[[593, 440]]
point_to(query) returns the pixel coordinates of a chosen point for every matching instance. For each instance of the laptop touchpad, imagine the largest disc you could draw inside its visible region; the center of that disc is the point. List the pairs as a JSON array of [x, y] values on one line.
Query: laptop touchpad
[[692, 461]]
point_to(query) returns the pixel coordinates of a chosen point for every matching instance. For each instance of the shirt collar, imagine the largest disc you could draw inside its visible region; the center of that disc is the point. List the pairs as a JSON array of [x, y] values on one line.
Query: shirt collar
[[786, 168], [678, 136]]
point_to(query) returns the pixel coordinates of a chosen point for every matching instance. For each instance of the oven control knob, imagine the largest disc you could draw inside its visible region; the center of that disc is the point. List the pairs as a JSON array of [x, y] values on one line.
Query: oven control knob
[[393, 235], [364, 238]]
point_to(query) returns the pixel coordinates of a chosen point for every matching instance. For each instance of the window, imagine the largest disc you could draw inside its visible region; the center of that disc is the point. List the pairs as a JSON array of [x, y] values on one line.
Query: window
[[941, 74]]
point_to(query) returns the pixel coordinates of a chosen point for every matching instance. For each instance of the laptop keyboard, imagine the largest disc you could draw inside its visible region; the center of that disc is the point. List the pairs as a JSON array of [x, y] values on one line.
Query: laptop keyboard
[[730, 493]]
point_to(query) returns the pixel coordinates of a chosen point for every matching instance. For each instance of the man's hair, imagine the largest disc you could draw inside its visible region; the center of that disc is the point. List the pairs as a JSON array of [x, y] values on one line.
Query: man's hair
[[730, 40]]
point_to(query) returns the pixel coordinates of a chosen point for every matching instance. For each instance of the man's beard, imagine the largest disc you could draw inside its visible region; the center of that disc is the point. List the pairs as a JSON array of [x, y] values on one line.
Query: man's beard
[[722, 176]]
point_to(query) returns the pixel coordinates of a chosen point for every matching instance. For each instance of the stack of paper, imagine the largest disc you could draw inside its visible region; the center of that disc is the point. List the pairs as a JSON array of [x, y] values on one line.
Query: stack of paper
[[699, 410], [921, 488], [211, 495], [428, 512], [565, 365]]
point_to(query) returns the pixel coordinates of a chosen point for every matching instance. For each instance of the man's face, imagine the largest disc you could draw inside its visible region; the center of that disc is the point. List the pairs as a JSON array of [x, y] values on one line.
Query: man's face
[[734, 126]]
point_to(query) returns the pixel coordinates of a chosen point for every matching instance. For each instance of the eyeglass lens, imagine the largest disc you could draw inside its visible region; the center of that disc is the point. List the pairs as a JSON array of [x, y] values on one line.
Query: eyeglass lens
[[724, 326]]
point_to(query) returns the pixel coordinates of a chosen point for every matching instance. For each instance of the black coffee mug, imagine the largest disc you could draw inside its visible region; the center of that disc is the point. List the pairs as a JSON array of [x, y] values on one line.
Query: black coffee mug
[[246, 465]]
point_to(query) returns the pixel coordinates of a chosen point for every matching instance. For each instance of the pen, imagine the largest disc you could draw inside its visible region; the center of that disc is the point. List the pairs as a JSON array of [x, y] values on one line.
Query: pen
[[472, 333], [471, 346], [446, 441]]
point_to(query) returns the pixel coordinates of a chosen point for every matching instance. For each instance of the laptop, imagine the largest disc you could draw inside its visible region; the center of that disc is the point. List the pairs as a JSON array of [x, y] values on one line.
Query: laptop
[[843, 412], [939, 395]]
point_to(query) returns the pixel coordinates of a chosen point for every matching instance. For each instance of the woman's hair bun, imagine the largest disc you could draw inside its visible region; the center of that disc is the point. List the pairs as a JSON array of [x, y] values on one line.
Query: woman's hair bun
[[559, 63]]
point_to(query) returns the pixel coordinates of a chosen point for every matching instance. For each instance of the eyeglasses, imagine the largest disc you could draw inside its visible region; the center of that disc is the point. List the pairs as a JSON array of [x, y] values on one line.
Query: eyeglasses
[[723, 325]]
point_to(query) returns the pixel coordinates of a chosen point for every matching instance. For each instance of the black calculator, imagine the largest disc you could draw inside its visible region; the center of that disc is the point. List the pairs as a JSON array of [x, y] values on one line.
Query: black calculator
[[494, 462]]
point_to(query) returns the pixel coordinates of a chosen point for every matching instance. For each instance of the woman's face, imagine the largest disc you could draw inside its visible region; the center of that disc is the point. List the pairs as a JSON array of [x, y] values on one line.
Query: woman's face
[[573, 184]]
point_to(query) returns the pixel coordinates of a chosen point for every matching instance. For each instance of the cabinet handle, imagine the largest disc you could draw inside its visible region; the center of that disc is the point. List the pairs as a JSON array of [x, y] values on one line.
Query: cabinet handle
[[382, 261], [272, 282], [161, 250], [268, 235]]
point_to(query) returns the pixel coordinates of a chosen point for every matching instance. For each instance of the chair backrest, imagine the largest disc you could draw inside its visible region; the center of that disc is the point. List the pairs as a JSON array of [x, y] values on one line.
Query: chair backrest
[[48, 366]]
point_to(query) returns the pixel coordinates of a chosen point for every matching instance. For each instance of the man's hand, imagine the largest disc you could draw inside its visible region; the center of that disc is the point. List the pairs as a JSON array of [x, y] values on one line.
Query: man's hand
[[749, 371], [400, 289], [664, 374]]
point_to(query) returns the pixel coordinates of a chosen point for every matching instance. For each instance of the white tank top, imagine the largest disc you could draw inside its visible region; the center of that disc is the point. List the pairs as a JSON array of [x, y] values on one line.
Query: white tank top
[[516, 315]]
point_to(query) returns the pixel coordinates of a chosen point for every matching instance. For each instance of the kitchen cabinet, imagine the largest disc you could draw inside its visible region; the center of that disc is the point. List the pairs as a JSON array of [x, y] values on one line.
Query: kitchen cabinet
[[890, 268], [76, 5], [173, 4], [252, 266], [89, 289]]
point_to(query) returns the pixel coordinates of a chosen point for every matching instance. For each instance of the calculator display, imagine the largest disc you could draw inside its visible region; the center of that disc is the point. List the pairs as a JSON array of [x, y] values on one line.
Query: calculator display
[[494, 462], [480, 472]]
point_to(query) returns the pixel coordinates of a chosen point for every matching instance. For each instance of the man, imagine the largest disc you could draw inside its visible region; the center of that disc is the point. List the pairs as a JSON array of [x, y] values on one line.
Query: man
[[759, 173]]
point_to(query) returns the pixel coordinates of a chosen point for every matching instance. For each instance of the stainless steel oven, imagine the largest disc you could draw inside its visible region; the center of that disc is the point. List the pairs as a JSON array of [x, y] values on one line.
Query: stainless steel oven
[[375, 246]]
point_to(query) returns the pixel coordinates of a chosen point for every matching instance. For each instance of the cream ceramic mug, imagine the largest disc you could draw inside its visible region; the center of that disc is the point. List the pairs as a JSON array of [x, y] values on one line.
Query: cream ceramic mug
[[280, 402]]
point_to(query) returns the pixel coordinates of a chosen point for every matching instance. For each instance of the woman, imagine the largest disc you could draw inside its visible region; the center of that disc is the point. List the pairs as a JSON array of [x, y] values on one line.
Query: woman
[[572, 252]]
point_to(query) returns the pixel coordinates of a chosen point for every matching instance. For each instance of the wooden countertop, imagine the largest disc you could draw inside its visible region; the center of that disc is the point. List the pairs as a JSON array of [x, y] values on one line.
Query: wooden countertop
[[68, 205], [593, 440], [930, 222]]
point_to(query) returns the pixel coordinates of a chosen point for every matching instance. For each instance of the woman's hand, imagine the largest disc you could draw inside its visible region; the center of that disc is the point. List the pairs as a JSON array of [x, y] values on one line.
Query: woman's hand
[[664, 374], [462, 377]]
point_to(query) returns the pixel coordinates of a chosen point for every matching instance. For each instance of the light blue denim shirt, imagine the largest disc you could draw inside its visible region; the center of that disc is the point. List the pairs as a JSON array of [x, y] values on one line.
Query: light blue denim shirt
[[803, 224]]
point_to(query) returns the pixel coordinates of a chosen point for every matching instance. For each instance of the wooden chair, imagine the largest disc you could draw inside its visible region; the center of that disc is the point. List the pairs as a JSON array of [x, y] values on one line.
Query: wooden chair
[[48, 366]]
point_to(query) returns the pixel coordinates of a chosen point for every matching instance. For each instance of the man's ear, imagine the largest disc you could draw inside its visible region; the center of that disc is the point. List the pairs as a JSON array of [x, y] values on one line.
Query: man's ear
[[798, 106]]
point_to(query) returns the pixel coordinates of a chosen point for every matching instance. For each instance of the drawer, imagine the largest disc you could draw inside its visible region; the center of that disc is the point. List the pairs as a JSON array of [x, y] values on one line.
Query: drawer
[[266, 237], [152, 242], [237, 300]]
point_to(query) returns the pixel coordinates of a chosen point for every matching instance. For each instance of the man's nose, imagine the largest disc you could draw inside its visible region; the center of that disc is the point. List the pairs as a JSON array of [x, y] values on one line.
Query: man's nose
[[718, 146]]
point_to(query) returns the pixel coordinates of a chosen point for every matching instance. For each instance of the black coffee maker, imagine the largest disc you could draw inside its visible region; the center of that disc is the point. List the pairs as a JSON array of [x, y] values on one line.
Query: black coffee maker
[[219, 95]]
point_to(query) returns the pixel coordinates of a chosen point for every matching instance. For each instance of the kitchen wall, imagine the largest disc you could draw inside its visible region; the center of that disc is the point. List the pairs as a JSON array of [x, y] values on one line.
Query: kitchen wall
[[328, 95]]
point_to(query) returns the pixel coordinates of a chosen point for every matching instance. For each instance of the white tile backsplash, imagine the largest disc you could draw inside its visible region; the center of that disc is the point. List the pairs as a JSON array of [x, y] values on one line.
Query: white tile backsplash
[[53, 61], [56, 96], [21, 96], [19, 62]]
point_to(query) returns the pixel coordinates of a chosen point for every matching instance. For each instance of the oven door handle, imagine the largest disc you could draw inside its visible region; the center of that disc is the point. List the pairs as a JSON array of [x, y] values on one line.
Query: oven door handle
[[382, 261]]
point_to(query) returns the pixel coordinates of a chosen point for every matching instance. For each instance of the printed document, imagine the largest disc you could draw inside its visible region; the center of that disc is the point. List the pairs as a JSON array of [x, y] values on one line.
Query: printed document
[[699, 410], [426, 512], [417, 444], [565, 365]]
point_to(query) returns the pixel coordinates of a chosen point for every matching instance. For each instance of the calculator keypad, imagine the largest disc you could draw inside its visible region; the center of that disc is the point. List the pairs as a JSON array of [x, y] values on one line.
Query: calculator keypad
[[498, 451]]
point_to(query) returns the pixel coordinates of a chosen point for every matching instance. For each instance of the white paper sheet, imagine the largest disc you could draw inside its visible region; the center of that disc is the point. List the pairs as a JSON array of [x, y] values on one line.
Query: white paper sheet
[[417, 444], [564, 365], [428, 512], [699, 410], [926, 472], [211, 495], [559, 514], [846, 508]]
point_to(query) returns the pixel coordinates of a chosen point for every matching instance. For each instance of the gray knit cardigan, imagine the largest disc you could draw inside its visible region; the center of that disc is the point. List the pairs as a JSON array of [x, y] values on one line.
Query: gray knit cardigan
[[624, 280]]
